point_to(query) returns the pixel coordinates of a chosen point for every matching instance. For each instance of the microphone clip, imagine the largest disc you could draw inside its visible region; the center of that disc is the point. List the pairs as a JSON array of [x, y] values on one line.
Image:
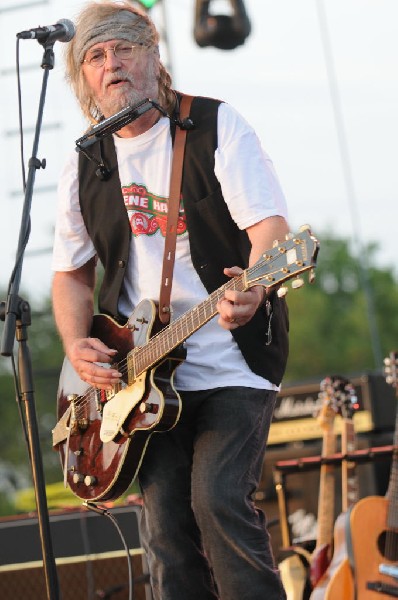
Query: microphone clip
[[185, 124], [103, 173]]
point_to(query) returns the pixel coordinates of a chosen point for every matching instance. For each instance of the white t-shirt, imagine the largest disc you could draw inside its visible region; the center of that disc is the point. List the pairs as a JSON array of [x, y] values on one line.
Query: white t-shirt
[[252, 192]]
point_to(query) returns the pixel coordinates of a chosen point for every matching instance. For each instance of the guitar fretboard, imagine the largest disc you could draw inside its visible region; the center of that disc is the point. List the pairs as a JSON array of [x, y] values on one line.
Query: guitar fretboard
[[350, 490], [392, 492], [160, 345], [326, 493]]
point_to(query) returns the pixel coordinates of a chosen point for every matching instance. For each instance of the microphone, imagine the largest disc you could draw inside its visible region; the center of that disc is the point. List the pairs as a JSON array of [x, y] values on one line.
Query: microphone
[[63, 31]]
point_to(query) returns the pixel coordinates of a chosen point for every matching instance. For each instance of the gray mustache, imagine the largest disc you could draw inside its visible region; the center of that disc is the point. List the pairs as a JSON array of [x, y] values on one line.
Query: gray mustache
[[117, 76]]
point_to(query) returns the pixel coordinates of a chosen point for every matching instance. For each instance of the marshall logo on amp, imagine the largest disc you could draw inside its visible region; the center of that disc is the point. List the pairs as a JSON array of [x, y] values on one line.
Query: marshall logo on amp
[[297, 406]]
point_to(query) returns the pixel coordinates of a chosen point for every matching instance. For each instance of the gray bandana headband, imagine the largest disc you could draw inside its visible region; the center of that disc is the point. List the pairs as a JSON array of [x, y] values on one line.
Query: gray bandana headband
[[124, 24]]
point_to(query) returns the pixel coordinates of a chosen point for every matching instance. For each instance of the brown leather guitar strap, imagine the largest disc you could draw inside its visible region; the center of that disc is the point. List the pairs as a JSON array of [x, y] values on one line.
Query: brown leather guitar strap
[[172, 213]]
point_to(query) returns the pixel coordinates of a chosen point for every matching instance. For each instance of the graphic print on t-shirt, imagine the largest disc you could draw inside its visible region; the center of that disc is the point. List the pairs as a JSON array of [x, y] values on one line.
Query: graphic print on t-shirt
[[147, 212]]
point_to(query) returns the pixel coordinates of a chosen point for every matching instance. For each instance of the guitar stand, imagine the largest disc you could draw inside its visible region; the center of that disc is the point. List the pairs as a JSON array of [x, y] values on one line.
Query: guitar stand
[[282, 468]]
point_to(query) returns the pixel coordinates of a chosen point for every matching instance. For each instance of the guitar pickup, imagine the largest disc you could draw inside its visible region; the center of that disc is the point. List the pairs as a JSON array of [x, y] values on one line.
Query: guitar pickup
[[79, 420]]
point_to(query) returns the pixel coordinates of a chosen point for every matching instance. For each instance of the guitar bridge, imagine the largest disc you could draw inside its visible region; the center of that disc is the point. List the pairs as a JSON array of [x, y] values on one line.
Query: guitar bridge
[[79, 420]]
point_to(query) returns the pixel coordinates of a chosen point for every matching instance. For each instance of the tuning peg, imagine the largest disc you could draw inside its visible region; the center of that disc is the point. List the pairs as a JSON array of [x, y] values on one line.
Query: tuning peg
[[282, 291], [305, 227], [275, 244], [311, 276], [289, 236], [297, 283]]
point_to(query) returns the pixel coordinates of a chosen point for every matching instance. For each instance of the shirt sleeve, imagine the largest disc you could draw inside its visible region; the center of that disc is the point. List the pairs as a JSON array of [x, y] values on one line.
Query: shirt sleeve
[[72, 244], [246, 174]]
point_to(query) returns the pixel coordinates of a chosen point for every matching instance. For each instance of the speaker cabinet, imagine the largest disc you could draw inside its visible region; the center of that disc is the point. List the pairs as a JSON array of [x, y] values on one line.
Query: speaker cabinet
[[90, 559]]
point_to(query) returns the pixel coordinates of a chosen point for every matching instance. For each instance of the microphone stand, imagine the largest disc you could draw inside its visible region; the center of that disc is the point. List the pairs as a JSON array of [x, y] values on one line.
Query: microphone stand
[[17, 316]]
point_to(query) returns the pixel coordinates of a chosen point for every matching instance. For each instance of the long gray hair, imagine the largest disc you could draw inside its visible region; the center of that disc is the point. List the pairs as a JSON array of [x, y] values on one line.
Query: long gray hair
[[103, 21]]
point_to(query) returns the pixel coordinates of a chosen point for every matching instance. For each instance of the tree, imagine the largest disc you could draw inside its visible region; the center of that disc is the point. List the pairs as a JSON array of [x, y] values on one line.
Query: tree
[[329, 328], [46, 354]]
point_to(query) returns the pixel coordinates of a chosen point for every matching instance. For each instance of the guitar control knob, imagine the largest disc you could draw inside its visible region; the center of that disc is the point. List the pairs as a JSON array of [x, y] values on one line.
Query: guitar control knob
[[90, 480], [78, 478]]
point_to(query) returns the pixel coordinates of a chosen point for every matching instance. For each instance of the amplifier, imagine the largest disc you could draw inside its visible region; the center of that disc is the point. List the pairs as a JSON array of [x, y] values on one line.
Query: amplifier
[[297, 406], [90, 558]]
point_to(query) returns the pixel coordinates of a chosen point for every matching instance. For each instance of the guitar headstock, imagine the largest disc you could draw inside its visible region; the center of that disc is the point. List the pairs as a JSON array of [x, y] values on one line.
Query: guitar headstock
[[328, 410], [391, 369], [342, 394], [286, 260]]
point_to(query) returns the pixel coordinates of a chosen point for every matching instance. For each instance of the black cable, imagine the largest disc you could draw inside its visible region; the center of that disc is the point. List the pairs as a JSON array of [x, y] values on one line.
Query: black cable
[[20, 115], [18, 395], [21, 137], [105, 513]]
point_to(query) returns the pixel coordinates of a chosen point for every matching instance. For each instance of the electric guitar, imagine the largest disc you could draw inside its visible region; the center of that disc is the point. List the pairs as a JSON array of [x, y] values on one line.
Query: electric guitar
[[374, 547], [337, 581], [102, 436]]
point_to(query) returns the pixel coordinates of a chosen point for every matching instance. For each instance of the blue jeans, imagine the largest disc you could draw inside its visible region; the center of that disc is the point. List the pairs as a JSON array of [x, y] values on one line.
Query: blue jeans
[[203, 536]]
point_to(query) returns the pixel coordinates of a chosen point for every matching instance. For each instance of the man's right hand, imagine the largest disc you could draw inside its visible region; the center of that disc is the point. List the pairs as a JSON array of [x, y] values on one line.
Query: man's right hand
[[85, 354]]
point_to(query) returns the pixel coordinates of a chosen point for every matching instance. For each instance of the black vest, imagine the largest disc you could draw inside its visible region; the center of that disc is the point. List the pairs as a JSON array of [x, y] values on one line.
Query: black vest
[[215, 240]]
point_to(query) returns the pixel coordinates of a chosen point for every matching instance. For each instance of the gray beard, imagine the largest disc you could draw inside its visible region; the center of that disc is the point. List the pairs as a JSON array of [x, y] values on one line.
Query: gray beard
[[110, 106], [113, 103]]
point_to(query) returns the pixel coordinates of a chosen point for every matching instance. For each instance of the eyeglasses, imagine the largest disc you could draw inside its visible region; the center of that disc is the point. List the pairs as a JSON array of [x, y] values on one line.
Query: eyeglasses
[[96, 58]]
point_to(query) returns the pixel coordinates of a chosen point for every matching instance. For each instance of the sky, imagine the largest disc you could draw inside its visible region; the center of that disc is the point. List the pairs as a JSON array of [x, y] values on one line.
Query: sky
[[328, 119]]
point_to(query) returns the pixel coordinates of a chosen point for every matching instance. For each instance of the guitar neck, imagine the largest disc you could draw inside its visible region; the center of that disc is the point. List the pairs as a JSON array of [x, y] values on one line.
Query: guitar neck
[[392, 492], [350, 492], [326, 493], [283, 262], [169, 338]]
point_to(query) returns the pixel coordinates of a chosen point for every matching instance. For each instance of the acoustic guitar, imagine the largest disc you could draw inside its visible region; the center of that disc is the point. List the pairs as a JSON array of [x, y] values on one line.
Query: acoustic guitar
[[337, 581], [373, 528], [102, 436]]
